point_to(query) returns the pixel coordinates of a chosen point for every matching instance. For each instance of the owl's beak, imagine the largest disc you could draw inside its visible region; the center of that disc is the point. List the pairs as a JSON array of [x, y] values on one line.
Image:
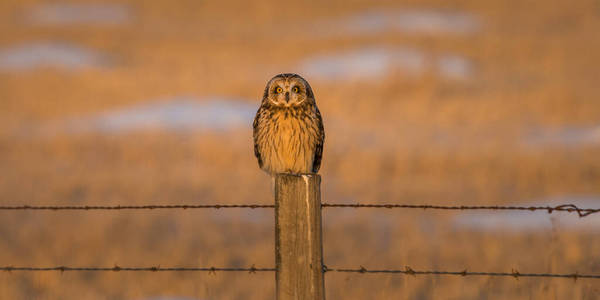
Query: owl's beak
[[287, 96]]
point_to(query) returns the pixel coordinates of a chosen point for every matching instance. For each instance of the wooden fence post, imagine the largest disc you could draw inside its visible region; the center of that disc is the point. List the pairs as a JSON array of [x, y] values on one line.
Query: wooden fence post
[[298, 242]]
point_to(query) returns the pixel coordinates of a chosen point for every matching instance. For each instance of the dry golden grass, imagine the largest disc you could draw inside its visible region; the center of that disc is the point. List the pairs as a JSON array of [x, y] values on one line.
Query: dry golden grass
[[536, 67]]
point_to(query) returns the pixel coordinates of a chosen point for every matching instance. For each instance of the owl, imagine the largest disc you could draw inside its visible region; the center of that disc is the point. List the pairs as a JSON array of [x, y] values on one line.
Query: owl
[[288, 128]]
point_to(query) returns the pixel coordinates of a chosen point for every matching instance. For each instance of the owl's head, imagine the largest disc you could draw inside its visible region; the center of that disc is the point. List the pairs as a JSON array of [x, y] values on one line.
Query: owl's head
[[288, 90]]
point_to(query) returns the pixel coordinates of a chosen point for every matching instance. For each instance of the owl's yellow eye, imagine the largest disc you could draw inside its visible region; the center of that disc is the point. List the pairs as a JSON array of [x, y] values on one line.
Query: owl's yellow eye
[[278, 90], [295, 89]]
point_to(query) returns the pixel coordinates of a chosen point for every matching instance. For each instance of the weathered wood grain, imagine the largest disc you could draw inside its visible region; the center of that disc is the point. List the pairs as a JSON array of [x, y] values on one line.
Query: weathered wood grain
[[298, 241]]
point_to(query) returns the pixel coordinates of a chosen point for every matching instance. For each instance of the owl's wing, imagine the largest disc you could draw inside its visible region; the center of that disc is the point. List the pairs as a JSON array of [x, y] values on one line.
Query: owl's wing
[[255, 135], [319, 146]]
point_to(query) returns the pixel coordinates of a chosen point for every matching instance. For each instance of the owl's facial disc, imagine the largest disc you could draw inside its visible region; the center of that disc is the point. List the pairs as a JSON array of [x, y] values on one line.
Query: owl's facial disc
[[287, 93]]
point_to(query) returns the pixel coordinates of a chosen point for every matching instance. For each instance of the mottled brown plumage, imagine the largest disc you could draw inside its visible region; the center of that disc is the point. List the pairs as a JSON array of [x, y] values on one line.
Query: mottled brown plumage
[[288, 128]]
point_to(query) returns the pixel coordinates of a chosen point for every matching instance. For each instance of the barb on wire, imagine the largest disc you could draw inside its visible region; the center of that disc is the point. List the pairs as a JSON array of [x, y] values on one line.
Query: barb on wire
[[210, 270], [410, 271], [133, 207], [582, 212]]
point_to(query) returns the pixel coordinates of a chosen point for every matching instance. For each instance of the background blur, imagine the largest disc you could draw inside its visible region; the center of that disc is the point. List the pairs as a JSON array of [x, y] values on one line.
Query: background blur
[[424, 102]]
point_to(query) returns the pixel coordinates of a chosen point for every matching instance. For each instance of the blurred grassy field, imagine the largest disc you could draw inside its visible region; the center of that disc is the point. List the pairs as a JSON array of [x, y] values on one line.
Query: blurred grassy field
[[420, 140]]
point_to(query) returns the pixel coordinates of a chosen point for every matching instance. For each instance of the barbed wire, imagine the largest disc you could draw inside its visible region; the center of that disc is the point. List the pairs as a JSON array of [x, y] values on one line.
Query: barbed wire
[[362, 270], [117, 268], [410, 271], [133, 207], [582, 212]]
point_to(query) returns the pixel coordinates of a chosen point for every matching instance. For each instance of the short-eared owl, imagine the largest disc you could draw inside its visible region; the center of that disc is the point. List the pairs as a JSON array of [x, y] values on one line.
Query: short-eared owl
[[288, 129]]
